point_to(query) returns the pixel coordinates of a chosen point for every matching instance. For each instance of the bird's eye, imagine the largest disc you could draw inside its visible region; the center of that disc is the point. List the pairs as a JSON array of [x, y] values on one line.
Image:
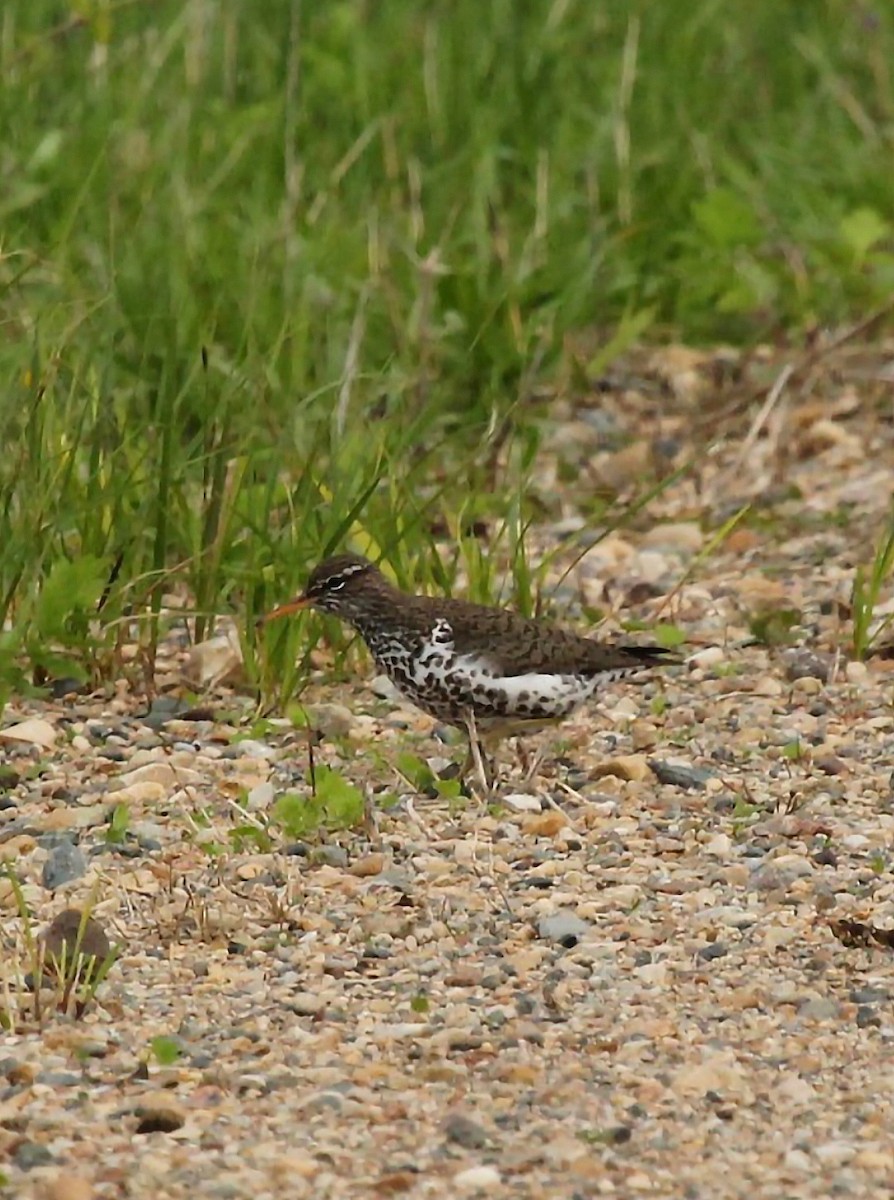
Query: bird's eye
[[335, 585]]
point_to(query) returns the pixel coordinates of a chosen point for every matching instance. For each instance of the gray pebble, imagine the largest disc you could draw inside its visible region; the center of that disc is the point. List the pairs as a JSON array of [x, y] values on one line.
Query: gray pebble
[[679, 774], [60, 1078], [465, 1132], [332, 856], [28, 1155], [711, 951], [807, 664], [64, 864], [868, 1018], [820, 1009], [868, 995]]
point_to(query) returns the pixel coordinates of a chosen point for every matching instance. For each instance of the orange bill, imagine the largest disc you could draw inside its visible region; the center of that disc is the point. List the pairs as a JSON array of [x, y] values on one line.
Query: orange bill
[[296, 604]]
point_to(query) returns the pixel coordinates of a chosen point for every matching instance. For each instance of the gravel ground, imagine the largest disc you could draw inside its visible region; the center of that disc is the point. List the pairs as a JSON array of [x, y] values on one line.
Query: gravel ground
[[623, 980]]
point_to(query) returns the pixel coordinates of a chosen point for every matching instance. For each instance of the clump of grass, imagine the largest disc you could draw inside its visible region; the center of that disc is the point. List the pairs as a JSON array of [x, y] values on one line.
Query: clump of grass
[[60, 970], [869, 583]]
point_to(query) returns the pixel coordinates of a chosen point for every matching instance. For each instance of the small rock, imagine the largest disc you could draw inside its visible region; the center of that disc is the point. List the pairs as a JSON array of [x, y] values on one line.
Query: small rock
[[35, 731], [711, 656], [564, 927], [382, 687], [307, 1004], [260, 798], [711, 951], [68, 1187], [333, 856], [681, 775], [19, 1074], [644, 735], [716, 1073], [477, 1179], [154, 772], [820, 1009], [368, 864], [465, 1132], [64, 864], [522, 802], [720, 846], [216, 661], [332, 720], [138, 794], [831, 764], [70, 934], [632, 767], [767, 686], [683, 536], [251, 749], [159, 1112], [801, 664], [28, 1155]]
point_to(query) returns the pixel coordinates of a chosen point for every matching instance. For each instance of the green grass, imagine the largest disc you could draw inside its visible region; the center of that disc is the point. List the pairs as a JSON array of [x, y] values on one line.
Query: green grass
[[868, 628], [273, 273]]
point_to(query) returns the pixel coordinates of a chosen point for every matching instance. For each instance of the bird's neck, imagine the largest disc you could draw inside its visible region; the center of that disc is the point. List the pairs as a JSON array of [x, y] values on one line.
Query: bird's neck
[[386, 615]]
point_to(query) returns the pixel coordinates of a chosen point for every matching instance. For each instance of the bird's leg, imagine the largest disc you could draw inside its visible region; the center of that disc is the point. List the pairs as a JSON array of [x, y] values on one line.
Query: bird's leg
[[476, 755], [531, 763]]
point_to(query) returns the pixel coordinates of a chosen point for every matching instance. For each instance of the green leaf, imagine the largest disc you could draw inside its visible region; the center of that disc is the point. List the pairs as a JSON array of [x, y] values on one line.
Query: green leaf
[[341, 800], [71, 587], [416, 770], [293, 814], [669, 636], [118, 824], [630, 330], [727, 220], [165, 1050], [861, 230]]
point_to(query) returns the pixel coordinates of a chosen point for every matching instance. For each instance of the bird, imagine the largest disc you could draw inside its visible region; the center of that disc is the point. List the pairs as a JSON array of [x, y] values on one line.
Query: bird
[[487, 670]]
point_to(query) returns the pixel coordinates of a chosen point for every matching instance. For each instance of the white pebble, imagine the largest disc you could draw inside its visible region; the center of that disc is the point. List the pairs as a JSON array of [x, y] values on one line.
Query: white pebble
[[477, 1179]]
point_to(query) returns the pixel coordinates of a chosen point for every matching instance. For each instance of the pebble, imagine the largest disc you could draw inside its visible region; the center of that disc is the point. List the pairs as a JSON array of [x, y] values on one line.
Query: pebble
[[34, 732], [68, 1186], [477, 1179], [682, 775], [632, 767], [368, 864], [260, 798], [711, 656], [564, 927], [28, 1155], [332, 720], [159, 1112], [522, 802], [307, 1004], [64, 864], [251, 748], [685, 537], [803, 663], [465, 1132]]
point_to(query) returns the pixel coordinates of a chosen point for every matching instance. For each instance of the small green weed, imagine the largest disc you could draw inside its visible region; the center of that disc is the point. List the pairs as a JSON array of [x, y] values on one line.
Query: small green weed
[[334, 803], [773, 626], [165, 1050], [59, 970], [866, 593], [119, 825]]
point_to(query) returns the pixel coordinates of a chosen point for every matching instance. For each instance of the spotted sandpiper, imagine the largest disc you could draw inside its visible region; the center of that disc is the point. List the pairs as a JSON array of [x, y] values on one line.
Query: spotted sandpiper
[[487, 670]]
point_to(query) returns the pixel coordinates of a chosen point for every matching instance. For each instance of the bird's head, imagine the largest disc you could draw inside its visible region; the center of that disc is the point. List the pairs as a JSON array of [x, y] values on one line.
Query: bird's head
[[337, 585]]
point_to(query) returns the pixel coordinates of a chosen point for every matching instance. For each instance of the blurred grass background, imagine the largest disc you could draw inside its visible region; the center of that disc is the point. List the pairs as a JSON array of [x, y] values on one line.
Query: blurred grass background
[[271, 271]]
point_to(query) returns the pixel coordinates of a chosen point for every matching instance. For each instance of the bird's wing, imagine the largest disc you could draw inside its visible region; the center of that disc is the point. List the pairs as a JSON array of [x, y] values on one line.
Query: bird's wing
[[514, 645]]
